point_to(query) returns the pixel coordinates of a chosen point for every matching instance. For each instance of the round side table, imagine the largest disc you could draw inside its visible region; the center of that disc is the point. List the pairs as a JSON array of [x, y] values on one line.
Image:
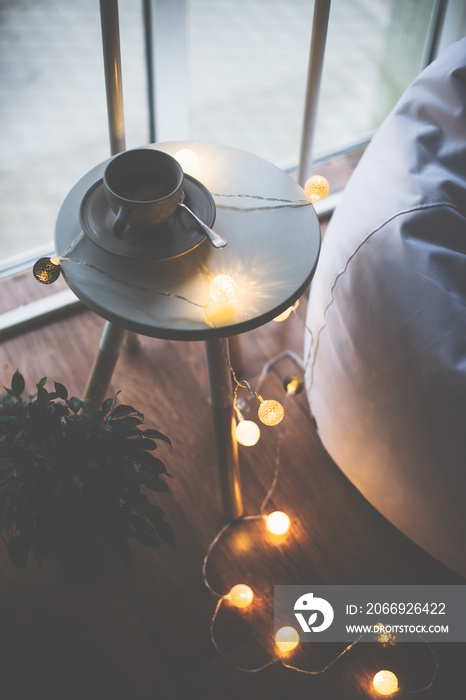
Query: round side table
[[271, 254]]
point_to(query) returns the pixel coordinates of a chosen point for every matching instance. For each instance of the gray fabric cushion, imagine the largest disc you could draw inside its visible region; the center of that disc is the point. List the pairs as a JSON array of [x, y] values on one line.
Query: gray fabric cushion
[[386, 369]]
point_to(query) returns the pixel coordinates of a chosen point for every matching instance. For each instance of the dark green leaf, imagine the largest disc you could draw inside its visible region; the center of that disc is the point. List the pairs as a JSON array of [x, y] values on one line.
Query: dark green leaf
[[165, 531], [146, 539], [35, 414], [129, 422], [74, 404], [60, 410], [107, 405], [61, 391], [151, 463], [42, 397], [17, 552], [17, 384], [156, 435], [153, 483], [42, 381], [141, 524], [122, 410], [144, 444], [16, 440]]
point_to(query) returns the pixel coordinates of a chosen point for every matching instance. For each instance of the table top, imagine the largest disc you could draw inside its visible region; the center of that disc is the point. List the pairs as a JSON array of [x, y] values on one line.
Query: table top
[[271, 254]]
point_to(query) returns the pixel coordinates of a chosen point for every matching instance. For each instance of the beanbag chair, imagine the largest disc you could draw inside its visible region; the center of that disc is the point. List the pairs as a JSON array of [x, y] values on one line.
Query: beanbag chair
[[386, 363]]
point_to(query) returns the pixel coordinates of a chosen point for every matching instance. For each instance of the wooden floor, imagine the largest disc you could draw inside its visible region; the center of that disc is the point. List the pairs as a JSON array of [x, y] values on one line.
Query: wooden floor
[[143, 632]]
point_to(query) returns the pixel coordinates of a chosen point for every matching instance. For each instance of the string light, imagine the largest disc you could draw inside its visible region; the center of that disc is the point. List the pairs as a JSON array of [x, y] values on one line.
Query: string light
[[188, 160], [219, 313], [277, 522], [382, 636], [271, 412], [247, 433], [241, 596], [220, 308], [223, 288], [385, 682], [316, 188], [293, 384], [223, 291], [285, 314], [47, 270], [286, 639]]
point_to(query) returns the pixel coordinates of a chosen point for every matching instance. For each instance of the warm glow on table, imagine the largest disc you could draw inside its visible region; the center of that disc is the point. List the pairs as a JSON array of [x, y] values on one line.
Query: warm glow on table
[[277, 523], [385, 682], [241, 596], [286, 639]]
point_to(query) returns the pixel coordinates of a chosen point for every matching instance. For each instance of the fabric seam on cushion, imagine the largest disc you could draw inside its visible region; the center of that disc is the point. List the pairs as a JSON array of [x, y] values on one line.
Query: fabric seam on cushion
[[449, 205]]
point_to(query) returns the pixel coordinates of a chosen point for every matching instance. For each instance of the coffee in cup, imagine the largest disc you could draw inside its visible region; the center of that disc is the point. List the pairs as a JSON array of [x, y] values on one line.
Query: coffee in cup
[[143, 187]]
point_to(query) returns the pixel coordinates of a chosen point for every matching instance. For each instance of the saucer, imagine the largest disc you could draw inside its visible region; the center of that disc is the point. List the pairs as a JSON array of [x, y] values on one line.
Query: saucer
[[176, 236]]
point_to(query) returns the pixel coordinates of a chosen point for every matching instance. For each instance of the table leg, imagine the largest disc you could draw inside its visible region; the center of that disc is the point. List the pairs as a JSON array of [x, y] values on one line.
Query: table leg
[[132, 342], [236, 356], [221, 395], [104, 364]]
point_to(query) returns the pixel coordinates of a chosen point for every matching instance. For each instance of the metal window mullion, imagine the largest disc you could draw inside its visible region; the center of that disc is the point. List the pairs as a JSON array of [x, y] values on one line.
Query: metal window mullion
[[167, 69]]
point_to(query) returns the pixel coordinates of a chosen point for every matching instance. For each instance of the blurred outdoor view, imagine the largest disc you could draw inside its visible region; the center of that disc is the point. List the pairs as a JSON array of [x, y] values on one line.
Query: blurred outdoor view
[[246, 71]]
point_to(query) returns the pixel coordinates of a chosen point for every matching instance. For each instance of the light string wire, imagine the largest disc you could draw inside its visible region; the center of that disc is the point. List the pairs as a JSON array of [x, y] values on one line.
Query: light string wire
[[72, 245], [434, 675], [246, 385], [329, 665], [280, 202], [260, 197], [239, 383], [311, 338], [131, 285], [216, 539], [58, 258], [214, 642], [273, 486], [63, 257]]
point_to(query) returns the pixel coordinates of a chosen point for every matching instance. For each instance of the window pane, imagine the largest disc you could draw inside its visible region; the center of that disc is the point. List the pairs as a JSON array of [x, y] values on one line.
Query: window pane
[[249, 61], [247, 72], [53, 118]]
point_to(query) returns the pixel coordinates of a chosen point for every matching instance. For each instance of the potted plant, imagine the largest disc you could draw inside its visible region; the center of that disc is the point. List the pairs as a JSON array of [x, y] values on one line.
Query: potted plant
[[70, 478]]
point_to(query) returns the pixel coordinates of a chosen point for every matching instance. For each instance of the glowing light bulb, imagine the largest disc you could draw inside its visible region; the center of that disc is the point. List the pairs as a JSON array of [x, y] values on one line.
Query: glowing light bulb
[[382, 636], [293, 384], [241, 596], [47, 270], [247, 433], [223, 288], [286, 639], [187, 159], [285, 314], [316, 188], [217, 313], [385, 682], [271, 412], [277, 523]]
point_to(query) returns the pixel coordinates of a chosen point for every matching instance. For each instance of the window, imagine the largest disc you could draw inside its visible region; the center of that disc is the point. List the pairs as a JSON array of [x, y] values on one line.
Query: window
[[240, 79]]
